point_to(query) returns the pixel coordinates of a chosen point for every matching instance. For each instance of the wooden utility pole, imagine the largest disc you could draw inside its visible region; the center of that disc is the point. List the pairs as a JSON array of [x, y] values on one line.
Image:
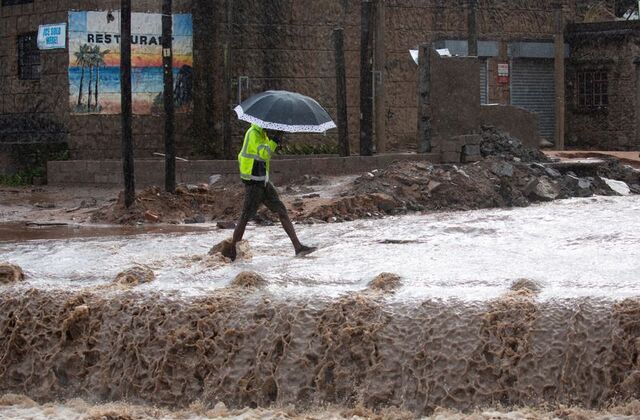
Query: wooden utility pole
[[559, 75], [169, 103], [341, 92], [226, 75], [424, 99], [366, 81], [472, 28], [125, 103]]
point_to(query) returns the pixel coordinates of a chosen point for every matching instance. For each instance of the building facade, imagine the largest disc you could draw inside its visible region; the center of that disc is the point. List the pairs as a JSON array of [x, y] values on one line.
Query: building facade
[[284, 44]]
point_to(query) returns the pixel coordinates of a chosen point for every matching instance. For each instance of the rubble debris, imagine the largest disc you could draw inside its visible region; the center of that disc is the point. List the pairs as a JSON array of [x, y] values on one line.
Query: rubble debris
[[498, 143]]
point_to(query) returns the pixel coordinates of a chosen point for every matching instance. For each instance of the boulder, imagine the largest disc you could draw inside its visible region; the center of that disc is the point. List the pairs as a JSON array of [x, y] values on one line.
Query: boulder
[[541, 189], [502, 169]]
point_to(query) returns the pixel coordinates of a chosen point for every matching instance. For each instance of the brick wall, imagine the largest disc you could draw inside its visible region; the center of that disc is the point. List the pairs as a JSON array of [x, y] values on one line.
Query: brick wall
[[284, 44], [89, 136], [611, 48]]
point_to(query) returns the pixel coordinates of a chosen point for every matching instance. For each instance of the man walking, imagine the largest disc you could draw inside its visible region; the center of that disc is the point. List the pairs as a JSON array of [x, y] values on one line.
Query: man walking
[[254, 159]]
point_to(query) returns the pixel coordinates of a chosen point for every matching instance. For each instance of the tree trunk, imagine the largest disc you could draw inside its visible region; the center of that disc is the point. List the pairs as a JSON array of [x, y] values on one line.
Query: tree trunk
[[96, 87], [169, 103], [90, 86], [125, 103], [81, 86]]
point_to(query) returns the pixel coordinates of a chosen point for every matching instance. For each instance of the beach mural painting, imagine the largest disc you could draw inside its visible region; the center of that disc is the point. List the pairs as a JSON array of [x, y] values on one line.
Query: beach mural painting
[[94, 62]]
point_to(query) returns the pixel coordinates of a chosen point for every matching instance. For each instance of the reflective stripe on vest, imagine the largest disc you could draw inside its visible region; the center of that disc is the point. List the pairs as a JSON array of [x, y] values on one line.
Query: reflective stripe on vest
[[244, 153]]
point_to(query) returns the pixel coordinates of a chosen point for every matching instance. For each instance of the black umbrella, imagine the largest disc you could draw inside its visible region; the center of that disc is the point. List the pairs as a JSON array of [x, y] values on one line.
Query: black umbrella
[[285, 111]]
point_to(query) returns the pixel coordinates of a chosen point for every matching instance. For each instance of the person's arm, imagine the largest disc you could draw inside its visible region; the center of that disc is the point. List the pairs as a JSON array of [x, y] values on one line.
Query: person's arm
[[265, 150]]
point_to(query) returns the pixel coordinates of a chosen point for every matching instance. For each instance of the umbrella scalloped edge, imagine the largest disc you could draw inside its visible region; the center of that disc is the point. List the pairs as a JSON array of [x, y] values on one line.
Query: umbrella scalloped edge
[[289, 128]]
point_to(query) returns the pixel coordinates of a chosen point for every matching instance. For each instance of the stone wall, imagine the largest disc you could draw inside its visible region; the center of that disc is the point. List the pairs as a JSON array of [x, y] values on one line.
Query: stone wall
[[613, 48]]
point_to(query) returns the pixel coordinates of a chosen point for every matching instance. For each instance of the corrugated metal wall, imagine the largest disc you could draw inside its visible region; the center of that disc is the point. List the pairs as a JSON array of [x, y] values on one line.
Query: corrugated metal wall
[[484, 87], [533, 88]]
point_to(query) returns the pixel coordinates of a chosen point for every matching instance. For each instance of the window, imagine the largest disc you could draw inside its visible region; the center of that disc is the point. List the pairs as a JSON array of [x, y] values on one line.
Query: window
[[28, 57], [13, 2], [593, 88]]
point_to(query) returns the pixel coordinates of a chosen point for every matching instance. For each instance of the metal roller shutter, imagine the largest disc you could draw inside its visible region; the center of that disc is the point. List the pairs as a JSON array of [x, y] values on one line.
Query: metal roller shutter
[[484, 94], [533, 88]]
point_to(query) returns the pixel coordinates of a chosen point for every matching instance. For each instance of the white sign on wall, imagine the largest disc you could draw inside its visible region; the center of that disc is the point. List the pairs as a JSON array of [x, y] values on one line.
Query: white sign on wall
[[52, 36]]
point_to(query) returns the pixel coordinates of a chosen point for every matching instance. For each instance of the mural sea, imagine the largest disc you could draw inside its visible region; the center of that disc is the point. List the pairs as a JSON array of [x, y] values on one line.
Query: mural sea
[[94, 60]]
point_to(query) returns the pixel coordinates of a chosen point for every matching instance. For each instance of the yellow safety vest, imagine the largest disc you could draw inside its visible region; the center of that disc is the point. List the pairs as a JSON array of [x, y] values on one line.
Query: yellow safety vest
[[255, 155]]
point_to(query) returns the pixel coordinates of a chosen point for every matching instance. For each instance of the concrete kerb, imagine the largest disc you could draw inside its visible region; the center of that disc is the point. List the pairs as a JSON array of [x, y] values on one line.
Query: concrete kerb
[[151, 172]]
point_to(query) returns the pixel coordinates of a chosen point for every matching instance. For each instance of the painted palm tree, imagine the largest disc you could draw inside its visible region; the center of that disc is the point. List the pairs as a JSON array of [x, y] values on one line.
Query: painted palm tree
[[82, 60], [98, 61]]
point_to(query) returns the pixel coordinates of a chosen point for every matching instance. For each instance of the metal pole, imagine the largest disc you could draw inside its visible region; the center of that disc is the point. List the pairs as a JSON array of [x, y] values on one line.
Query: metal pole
[[125, 103], [169, 107], [379, 47], [341, 92], [366, 81], [559, 76], [424, 98], [473, 28], [226, 75]]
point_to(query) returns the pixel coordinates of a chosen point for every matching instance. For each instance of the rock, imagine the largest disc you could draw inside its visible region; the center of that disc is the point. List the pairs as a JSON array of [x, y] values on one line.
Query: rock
[[502, 169], [635, 188], [433, 185], [150, 216], [226, 225], [553, 173], [619, 187], [248, 280], [10, 273], [90, 202], [541, 189], [135, 275], [213, 179], [192, 188], [198, 218], [243, 250], [313, 195], [576, 187], [369, 175], [385, 202], [386, 282], [544, 143], [45, 205]]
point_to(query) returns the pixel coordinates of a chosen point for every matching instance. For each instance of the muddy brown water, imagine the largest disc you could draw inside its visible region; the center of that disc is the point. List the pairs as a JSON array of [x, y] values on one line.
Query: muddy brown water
[[247, 348], [24, 231]]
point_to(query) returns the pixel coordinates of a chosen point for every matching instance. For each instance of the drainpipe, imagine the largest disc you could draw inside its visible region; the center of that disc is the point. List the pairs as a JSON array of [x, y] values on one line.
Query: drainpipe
[[559, 75]]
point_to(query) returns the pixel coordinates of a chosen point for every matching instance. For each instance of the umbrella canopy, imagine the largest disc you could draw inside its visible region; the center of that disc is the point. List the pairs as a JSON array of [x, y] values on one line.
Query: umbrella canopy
[[285, 111]]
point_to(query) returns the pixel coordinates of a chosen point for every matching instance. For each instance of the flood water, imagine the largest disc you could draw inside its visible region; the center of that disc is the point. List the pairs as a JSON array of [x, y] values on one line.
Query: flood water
[[536, 307], [572, 248]]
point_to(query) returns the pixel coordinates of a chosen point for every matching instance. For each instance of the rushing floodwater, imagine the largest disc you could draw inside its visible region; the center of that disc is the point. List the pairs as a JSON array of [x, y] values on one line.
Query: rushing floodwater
[[572, 248]]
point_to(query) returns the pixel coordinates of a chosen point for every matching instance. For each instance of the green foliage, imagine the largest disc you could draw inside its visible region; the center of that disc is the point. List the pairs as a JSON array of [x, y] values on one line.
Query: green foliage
[[24, 177], [308, 149]]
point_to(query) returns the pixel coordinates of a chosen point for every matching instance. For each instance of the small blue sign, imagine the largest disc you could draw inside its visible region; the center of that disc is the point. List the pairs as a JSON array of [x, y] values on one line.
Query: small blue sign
[[52, 36]]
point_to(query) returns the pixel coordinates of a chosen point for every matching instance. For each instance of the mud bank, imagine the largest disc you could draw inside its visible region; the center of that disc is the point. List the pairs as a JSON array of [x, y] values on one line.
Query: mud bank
[[247, 348]]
